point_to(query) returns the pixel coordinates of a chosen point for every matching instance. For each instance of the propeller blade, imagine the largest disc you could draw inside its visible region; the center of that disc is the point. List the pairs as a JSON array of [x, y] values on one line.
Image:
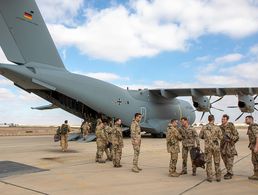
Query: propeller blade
[[209, 98], [202, 116], [256, 104], [255, 97], [217, 100], [256, 109], [218, 109], [232, 106], [239, 116]]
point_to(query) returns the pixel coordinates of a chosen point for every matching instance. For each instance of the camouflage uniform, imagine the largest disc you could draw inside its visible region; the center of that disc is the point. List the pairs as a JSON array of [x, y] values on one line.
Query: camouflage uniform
[[253, 135], [101, 143], [85, 129], [136, 142], [173, 137], [212, 135], [190, 137], [64, 136], [117, 142], [108, 148], [227, 145]]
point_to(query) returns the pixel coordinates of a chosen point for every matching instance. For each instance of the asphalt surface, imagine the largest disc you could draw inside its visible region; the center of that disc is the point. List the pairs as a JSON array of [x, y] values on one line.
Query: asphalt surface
[[75, 172]]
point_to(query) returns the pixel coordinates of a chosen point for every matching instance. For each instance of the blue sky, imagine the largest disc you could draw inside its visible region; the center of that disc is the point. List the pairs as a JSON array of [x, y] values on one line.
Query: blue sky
[[146, 44]]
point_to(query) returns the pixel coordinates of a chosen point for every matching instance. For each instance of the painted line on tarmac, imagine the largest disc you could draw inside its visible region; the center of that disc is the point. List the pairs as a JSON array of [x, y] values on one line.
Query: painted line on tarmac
[[196, 185], [21, 187]]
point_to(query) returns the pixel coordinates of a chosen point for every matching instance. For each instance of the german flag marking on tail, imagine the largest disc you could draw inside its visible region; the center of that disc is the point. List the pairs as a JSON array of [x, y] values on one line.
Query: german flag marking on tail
[[27, 15]]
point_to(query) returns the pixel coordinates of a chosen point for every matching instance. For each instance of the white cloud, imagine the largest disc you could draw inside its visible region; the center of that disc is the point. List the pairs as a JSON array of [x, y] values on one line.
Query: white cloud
[[147, 28], [3, 58], [6, 94], [254, 50], [60, 11], [234, 57], [105, 76]]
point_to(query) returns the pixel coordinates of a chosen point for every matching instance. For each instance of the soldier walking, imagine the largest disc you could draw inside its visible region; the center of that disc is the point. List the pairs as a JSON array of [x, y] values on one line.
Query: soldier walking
[[212, 135], [64, 130], [173, 137], [117, 143], [189, 140], [227, 145], [253, 144], [136, 140], [85, 127]]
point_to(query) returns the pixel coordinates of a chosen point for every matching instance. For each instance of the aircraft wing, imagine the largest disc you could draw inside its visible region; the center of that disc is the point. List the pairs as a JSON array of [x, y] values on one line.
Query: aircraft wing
[[172, 93], [46, 107]]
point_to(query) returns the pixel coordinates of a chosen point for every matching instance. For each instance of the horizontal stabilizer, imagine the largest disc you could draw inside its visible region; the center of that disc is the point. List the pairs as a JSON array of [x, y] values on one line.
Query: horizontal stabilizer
[[46, 107]]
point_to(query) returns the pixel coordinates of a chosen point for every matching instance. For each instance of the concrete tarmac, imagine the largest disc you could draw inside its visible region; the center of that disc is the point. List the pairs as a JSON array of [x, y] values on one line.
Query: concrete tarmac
[[75, 172]]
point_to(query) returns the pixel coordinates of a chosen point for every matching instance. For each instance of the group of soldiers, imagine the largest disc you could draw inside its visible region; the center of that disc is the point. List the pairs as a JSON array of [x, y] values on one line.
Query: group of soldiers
[[219, 142]]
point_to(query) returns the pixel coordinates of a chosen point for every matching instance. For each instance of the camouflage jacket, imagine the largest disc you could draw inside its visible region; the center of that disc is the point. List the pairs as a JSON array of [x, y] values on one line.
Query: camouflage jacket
[[65, 129], [117, 136], [230, 137], [212, 135], [173, 137], [101, 136], [135, 133], [85, 127], [108, 133], [252, 133], [189, 137]]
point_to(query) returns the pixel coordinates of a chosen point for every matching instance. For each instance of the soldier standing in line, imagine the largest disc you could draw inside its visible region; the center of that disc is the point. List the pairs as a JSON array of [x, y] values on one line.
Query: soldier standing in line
[[108, 134], [190, 140], [136, 140], [64, 130], [253, 144], [117, 142], [173, 137], [227, 145], [212, 135], [101, 142], [85, 127]]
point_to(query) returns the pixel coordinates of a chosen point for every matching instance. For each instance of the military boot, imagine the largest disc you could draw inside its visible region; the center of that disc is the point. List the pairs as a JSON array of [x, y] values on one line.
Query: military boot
[[174, 174], [228, 176], [135, 169], [139, 168], [183, 172], [254, 176], [101, 161]]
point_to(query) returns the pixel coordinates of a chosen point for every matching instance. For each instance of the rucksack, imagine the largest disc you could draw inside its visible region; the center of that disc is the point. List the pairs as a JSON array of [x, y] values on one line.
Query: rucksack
[[64, 129], [197, 157]]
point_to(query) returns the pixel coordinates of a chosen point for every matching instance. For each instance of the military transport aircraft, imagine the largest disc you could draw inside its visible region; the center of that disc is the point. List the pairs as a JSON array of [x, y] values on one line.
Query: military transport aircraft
[[39, 69]]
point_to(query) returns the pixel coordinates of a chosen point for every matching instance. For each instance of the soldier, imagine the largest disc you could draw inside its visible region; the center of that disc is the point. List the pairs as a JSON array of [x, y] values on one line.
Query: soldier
[[189, 140], [212, 135], [136, 140], [253, 144], [227, 145], [108, 147], [173, 137], [64, 130], [85, 128], [101, 142], [117, 142]]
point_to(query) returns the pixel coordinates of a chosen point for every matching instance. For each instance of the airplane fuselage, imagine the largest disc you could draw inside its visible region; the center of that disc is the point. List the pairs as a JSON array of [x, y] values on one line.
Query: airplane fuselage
[[98, 95]]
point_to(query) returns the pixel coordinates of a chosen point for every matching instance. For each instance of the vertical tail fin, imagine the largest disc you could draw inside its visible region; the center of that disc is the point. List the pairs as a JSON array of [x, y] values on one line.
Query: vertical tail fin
[[24, 36]]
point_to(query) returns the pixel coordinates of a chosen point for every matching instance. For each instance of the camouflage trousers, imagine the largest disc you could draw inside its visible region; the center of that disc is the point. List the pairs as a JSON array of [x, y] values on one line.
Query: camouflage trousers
[[255, 161], [185, 151], [64, 142], [136, 149], [228, 161], [117, 154], [108, 151], [215, 153], [99, 153], [173, 161]]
